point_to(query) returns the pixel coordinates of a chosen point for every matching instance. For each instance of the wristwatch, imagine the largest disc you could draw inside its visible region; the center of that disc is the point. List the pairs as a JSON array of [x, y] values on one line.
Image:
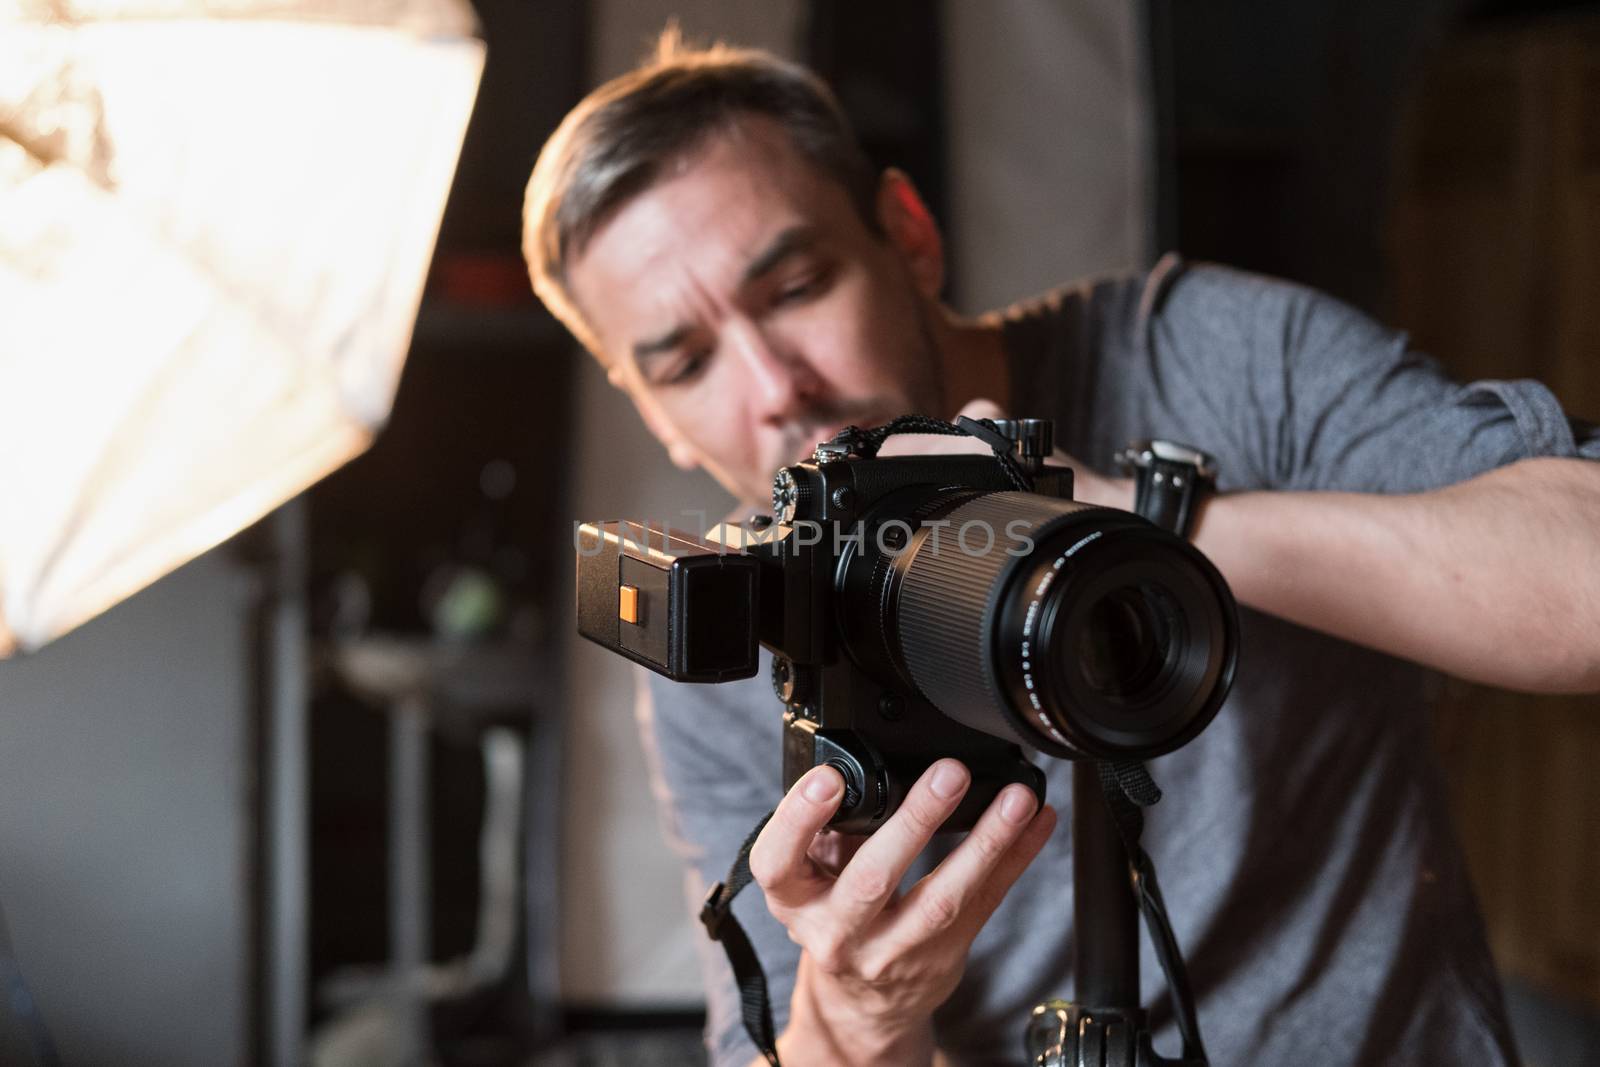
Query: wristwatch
[[1169, 481]]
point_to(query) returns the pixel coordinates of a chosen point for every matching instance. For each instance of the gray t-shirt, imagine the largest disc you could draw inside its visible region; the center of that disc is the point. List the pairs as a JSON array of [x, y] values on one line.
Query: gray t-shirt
[[1304, 844]]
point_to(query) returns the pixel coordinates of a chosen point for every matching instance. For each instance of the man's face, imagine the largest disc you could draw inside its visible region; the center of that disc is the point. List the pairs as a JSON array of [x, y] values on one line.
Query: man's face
[[750, 313]]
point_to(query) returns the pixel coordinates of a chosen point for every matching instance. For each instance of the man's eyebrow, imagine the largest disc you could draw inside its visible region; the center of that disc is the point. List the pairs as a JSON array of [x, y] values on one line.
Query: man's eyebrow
[[796, 238]]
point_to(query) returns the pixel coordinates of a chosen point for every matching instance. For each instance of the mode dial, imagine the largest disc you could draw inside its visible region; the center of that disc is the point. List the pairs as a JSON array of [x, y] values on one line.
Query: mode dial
[[791, 495]]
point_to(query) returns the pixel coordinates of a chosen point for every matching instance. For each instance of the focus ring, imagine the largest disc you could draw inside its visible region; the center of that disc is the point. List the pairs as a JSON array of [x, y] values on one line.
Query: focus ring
[[947, 596]]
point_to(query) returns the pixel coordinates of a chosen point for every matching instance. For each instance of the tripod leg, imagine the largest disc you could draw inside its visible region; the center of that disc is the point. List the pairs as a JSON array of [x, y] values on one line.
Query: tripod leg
[[1104, 912], [1099, 1028]]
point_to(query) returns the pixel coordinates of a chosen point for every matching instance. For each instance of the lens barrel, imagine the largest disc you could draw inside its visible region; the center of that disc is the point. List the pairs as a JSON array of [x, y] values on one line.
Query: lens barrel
[[1082, 631]]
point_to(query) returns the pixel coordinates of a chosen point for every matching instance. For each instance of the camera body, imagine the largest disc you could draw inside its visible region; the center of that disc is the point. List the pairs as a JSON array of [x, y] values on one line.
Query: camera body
[[920, 607]]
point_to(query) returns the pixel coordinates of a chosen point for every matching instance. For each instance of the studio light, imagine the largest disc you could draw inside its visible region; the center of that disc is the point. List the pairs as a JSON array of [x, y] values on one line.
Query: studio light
[[215, 223]]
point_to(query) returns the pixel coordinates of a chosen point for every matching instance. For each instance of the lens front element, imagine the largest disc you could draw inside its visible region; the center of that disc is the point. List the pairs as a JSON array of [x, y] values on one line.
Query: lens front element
[[1129, 643]]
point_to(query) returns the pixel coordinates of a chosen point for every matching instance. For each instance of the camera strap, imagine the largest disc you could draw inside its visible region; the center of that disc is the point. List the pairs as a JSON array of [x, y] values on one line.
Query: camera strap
[[1128, 787], [866, 443], [716, 915]]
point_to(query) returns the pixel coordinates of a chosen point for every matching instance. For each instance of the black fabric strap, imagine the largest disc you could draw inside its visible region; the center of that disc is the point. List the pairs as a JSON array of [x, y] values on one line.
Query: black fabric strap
[[716, 915], [1129, 789], [866, 443]]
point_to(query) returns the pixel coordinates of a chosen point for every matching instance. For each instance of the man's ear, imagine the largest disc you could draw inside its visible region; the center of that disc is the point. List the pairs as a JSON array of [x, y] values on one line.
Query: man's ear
[[908, 223]]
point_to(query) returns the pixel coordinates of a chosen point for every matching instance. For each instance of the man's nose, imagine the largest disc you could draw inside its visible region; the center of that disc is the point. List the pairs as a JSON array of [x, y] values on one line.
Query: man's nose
[[782, 381]]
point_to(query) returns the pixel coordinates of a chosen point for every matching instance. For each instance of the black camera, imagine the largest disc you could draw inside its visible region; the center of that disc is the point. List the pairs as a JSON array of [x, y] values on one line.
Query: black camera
[[919, 607]]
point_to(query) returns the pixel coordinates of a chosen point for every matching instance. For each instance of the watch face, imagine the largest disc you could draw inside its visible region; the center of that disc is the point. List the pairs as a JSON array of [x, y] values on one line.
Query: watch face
[[1139, 455], [1189, 456]]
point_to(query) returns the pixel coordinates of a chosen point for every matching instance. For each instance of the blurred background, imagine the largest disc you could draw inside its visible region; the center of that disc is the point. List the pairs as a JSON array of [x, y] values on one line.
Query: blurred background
[[346, 789]]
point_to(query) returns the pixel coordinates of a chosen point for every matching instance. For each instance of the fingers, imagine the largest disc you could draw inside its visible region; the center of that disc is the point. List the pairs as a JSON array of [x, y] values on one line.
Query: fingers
[[982, 409], [964, 890], [929, 444], [779, 860], [831, 850], [1027, 848], [868, 882]]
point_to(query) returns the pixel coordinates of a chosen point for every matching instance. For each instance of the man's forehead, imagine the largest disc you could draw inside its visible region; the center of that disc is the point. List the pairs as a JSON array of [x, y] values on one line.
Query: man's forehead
[[665, 241], [748, 170], [721, 218]]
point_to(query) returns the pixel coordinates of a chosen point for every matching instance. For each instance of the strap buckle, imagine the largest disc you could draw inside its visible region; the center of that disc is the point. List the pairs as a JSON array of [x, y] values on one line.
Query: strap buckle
[[714, 912]]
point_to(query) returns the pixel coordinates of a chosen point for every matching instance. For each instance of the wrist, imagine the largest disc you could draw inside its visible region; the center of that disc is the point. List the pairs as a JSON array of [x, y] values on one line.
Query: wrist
[[1197, 525], [828, 1024], [1093, 488]]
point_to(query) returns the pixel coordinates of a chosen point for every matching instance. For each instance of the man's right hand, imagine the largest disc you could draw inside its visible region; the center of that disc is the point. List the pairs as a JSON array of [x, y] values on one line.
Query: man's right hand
[[875, 963]]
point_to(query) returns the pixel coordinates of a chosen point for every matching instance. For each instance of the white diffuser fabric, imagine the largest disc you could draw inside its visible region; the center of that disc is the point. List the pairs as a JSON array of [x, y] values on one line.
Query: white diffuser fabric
[[215, 224]]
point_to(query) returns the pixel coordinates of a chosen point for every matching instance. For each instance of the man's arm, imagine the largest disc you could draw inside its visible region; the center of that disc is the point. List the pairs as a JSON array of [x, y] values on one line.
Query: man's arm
[[1495, 579], [1408, 512]]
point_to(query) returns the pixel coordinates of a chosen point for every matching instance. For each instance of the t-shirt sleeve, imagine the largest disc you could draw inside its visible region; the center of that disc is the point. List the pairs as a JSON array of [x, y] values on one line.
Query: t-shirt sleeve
[[716, 761], [1309, 393]]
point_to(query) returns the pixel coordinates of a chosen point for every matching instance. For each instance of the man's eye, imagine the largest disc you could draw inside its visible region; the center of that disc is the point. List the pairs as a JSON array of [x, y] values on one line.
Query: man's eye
[[685, 368], [801, 289]]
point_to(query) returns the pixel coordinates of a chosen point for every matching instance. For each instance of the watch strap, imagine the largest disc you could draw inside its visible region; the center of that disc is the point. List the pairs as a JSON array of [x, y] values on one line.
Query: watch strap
[[1170, 479]]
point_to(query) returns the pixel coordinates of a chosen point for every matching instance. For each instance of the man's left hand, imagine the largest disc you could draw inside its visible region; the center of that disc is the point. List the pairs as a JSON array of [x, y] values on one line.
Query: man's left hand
[[1089, 486]]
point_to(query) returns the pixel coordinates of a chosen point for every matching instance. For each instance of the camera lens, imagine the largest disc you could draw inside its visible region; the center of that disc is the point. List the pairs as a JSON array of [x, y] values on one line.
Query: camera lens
[[1082, 631], [1128, 643]]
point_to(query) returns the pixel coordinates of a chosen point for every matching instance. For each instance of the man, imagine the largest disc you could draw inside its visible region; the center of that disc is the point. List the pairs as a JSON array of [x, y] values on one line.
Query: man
[[708, 229]]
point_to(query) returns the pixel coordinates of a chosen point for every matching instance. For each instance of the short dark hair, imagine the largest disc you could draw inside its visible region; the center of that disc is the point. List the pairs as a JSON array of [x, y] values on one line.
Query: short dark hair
[[614, 144]]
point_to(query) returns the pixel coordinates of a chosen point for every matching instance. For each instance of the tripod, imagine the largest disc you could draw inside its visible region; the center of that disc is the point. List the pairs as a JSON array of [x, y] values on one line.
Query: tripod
[[1105, 1026]]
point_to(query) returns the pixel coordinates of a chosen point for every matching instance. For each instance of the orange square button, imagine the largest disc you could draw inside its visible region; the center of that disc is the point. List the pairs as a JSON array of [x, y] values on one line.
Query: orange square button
[[628, 604]]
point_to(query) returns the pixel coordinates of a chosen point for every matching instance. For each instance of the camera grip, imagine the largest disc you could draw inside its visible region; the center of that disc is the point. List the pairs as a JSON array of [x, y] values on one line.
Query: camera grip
[[875, 787]]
